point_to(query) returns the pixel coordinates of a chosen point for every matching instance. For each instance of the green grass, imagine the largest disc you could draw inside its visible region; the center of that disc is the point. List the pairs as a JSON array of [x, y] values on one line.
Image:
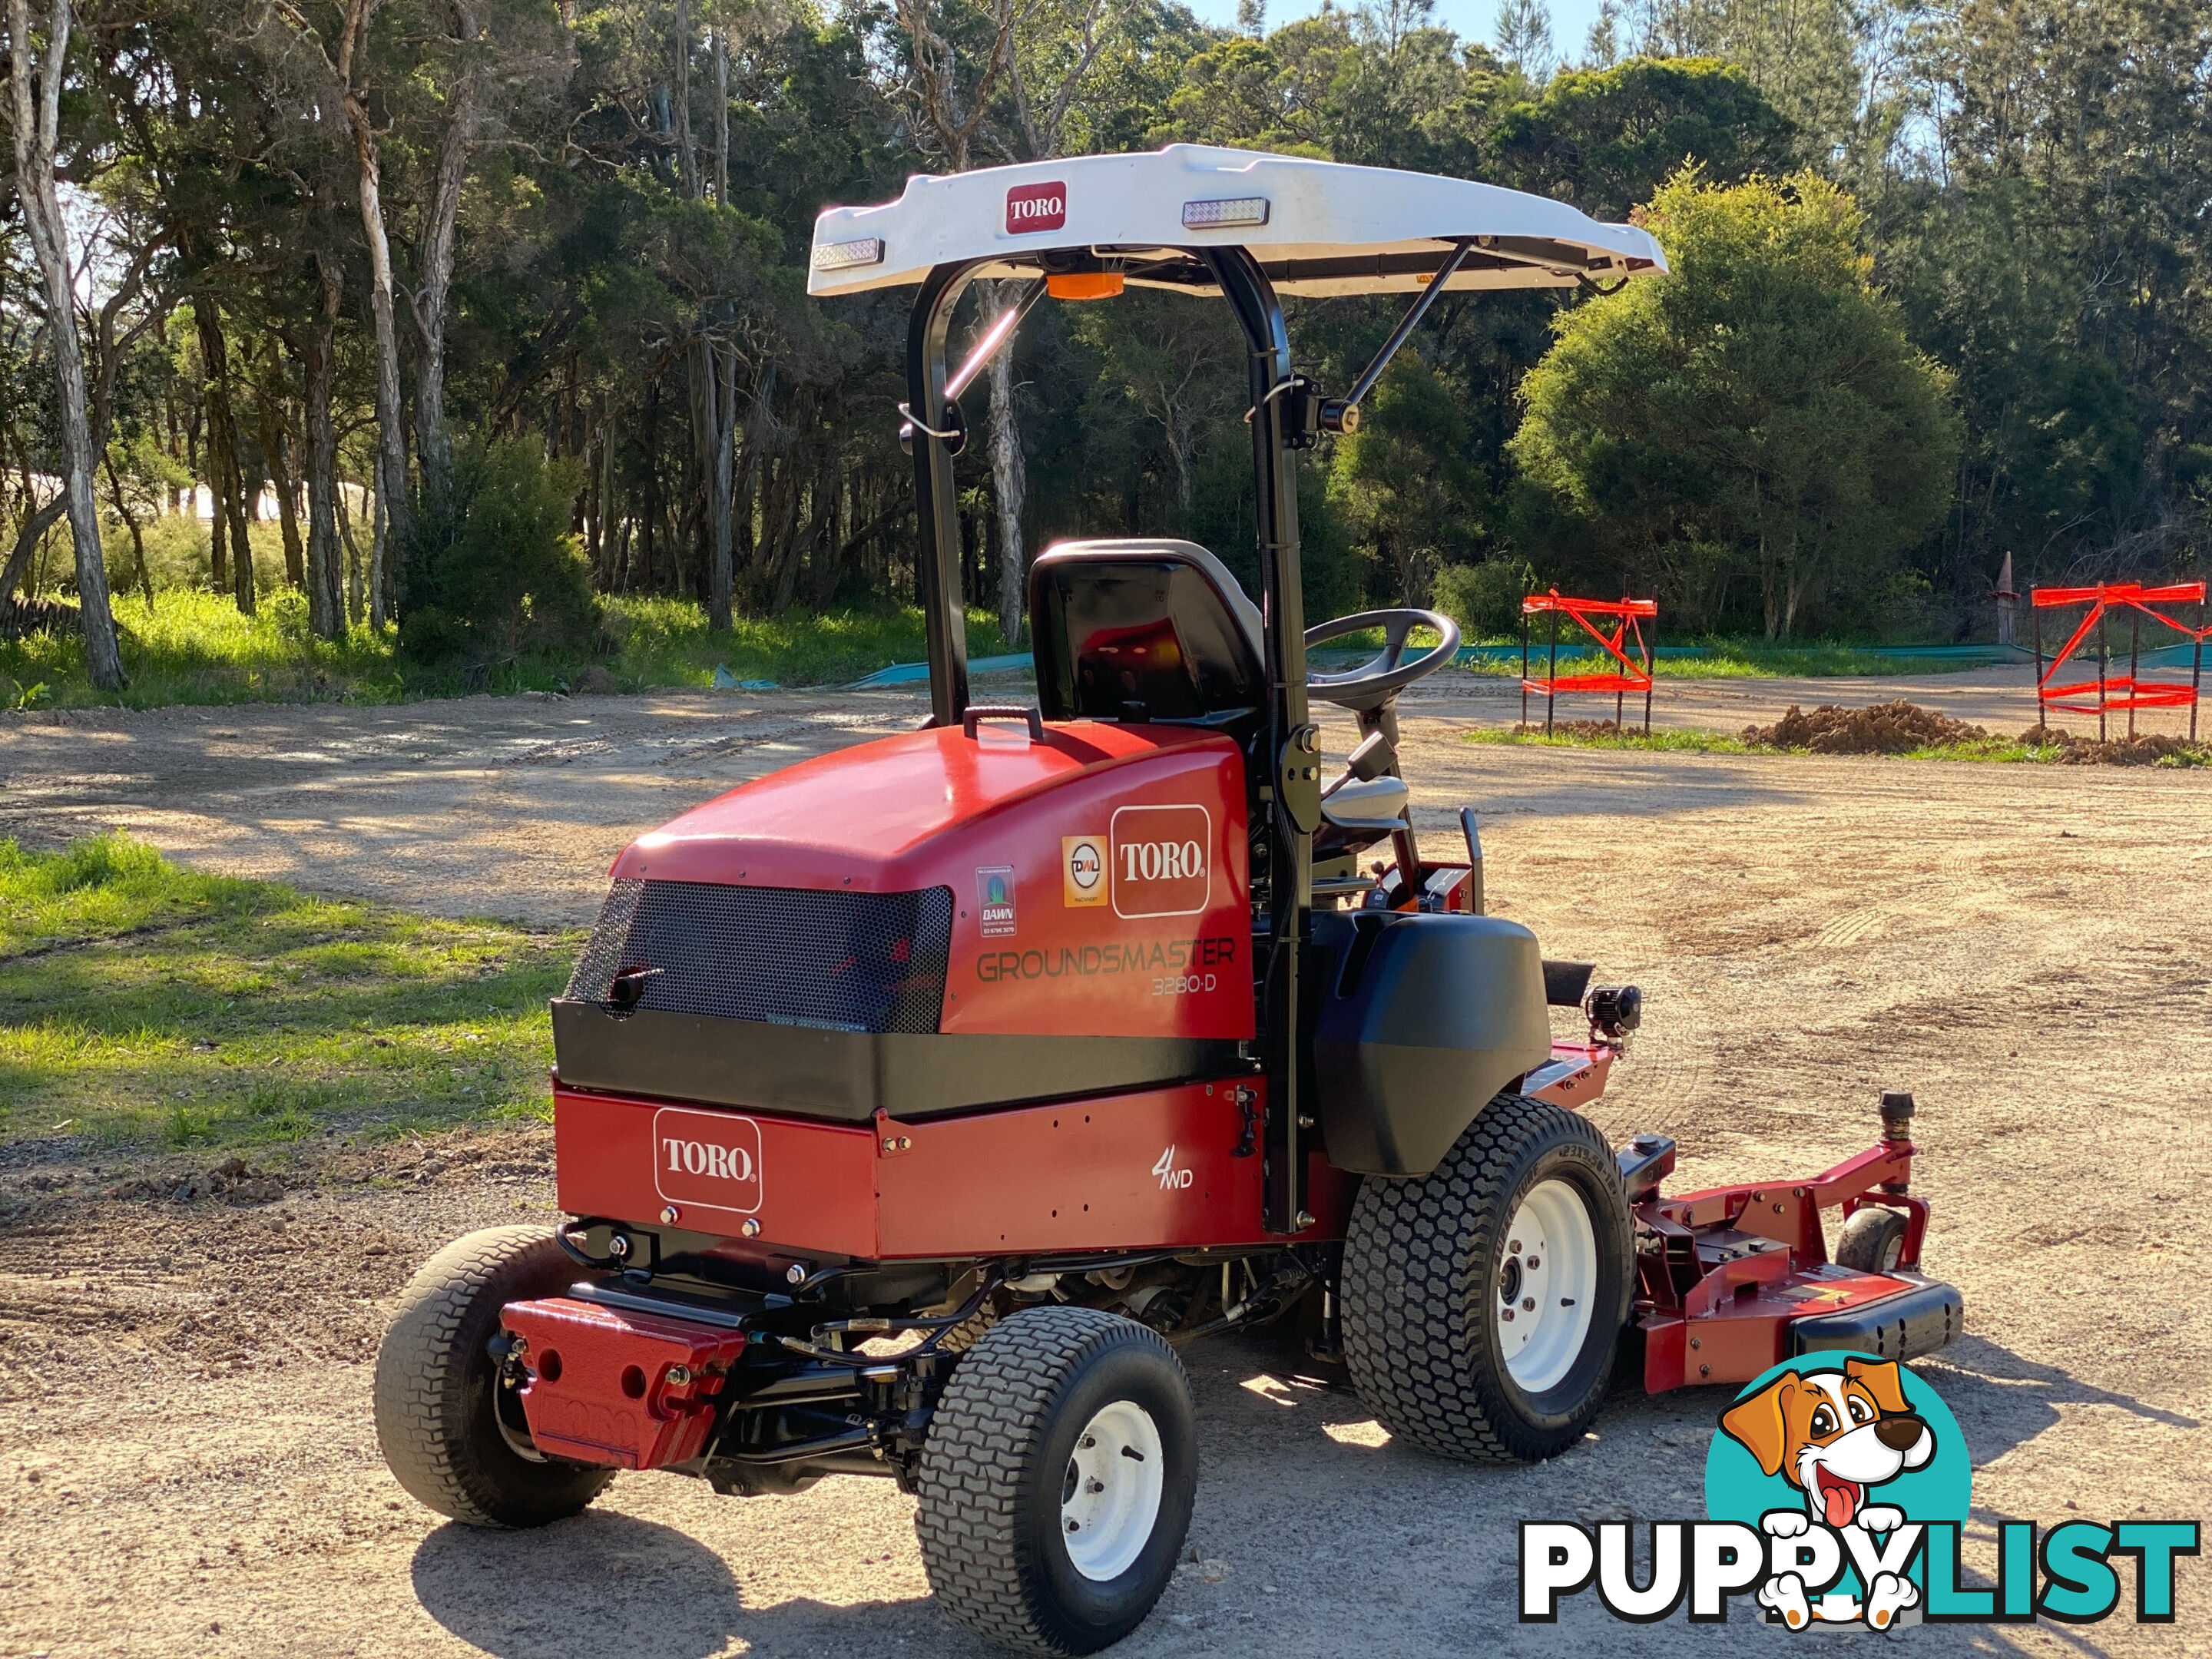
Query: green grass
[[150, 1007], [1736, 660], [2014, 751], [1700, 740], [193, 646], [1663, 740]]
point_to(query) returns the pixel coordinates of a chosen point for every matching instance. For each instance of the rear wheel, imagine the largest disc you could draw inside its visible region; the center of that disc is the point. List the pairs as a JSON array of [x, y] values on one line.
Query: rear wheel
[[1057, 1480], [1482, 1302], [1871, 1241], [437, 1387]]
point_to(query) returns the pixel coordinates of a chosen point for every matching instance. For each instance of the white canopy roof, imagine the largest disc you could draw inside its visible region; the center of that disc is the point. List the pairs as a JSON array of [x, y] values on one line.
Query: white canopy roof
[[1318, 228]]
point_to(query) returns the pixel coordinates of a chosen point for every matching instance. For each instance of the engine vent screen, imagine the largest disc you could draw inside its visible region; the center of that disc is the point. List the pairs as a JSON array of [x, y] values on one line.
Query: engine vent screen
[[845, 962]]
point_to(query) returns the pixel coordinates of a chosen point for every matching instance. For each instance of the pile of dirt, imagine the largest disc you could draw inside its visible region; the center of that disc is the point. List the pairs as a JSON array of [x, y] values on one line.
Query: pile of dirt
[[234, 1181], [1886, 728], [2146, 751]]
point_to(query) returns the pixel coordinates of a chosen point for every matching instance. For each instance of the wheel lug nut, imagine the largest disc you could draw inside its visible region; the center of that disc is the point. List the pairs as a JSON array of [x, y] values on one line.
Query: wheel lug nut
[[1094, 1486], [1535, 1261], [1507, 1315], [1514, 1249], [1528, 1305]]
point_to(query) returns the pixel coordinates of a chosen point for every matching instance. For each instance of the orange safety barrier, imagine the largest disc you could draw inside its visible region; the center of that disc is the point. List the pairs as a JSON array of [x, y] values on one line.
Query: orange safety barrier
[[2130, 691], [1627, 637]]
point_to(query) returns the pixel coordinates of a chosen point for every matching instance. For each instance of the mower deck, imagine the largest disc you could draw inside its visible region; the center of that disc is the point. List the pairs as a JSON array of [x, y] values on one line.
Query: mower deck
[[1734, 1279]]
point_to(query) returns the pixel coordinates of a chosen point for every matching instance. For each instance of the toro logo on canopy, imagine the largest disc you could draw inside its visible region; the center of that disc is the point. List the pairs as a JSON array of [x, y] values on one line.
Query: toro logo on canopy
[[1162, 860], [1035, 207], [709, 1159]]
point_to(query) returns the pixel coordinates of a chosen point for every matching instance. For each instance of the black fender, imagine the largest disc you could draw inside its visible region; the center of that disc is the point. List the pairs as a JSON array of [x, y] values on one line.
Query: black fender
[[1418, 1020]]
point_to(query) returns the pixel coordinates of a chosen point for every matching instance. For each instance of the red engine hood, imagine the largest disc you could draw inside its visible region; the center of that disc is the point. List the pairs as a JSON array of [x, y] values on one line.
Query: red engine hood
[[872, 818], [1098, 877]]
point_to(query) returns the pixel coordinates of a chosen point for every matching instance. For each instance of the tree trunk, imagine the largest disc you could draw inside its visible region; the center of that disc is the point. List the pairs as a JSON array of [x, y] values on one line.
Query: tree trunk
[[687, 155], [433, 443], [392, 516], [37, 129], [325, 600], [26, 542], [274, 440], [357, 604], [609, 516], [130, 522], [721, 117], [380, 541], [233, 554], [721, 400], [1009, 483]]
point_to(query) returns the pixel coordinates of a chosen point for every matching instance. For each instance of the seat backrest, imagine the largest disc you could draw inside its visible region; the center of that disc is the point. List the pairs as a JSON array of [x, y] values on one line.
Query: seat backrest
[[1143, 630]]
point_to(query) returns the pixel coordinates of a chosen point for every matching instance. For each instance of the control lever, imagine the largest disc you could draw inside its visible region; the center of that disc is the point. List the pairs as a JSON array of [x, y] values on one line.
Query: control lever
[[1374, 758]]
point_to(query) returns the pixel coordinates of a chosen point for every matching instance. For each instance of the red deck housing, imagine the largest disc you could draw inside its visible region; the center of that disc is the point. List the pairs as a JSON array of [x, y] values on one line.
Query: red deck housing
[[1737, 1266]]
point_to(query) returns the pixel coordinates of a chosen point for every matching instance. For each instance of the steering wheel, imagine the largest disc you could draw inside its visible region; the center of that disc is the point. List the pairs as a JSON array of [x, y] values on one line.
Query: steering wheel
[[1383, 675]]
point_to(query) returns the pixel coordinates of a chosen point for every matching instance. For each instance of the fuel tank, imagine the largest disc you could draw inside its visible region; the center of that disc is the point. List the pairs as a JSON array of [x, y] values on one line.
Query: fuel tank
[[929, 923]]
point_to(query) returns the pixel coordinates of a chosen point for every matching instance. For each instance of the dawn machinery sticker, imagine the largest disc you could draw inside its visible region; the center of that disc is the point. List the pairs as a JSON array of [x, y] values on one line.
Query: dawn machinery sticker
[[994, 900]]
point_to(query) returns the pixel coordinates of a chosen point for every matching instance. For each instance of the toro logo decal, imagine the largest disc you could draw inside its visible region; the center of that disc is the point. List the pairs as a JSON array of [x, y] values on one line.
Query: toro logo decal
[[707, 1159], [1161, 860], [1035, 207]]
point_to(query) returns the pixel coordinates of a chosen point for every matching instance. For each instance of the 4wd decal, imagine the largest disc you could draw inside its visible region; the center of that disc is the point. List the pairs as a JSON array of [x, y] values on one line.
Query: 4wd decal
[[709, 1159], [1035, 207], [1161, 860]]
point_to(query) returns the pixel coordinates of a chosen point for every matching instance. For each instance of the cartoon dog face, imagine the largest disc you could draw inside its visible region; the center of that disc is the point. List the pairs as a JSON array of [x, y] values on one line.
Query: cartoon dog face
[[1832, 1434]]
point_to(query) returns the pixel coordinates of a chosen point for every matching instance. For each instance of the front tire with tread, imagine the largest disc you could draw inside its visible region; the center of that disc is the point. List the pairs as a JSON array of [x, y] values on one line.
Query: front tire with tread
[[435, 1379], [1421, 1260]]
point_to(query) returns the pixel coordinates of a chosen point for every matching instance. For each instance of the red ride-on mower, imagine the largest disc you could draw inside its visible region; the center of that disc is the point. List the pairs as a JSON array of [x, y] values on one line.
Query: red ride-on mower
[[915, 1103]]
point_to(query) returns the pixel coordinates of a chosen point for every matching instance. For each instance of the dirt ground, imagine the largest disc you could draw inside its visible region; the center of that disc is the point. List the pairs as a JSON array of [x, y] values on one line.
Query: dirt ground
[[186, 1462], [514, 807]]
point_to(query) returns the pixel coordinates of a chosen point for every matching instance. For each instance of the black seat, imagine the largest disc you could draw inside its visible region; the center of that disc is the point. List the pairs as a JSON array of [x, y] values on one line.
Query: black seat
[[1144, 630]]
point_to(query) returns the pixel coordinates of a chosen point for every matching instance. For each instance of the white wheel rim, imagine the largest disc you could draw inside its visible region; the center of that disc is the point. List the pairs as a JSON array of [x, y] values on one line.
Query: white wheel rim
[[1546, 1288], [1110, 1493]]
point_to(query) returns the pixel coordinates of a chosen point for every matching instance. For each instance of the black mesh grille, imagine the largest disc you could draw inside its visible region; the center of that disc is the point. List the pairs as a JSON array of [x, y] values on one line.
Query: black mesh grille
[[848, 962]]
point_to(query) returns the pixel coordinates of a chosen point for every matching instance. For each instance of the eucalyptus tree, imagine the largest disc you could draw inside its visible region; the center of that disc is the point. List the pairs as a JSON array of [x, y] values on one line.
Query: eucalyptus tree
[[37, 59]]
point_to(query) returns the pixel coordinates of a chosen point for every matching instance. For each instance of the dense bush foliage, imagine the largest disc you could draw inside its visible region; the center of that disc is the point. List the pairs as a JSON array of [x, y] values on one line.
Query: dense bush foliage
[[497, 574]]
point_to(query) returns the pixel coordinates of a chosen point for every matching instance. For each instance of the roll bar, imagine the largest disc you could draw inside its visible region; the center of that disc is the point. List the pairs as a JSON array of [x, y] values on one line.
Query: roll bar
[[1290, 791]]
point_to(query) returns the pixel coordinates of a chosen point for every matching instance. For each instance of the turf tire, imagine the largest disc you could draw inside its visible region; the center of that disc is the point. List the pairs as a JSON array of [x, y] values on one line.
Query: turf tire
[[1420, 1258], [1871, 1241], [435, 1378], [1000, 1441]]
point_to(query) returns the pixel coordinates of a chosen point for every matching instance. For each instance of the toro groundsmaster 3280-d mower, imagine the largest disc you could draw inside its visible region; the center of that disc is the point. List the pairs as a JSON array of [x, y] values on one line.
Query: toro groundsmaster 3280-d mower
[[915, 1103]]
